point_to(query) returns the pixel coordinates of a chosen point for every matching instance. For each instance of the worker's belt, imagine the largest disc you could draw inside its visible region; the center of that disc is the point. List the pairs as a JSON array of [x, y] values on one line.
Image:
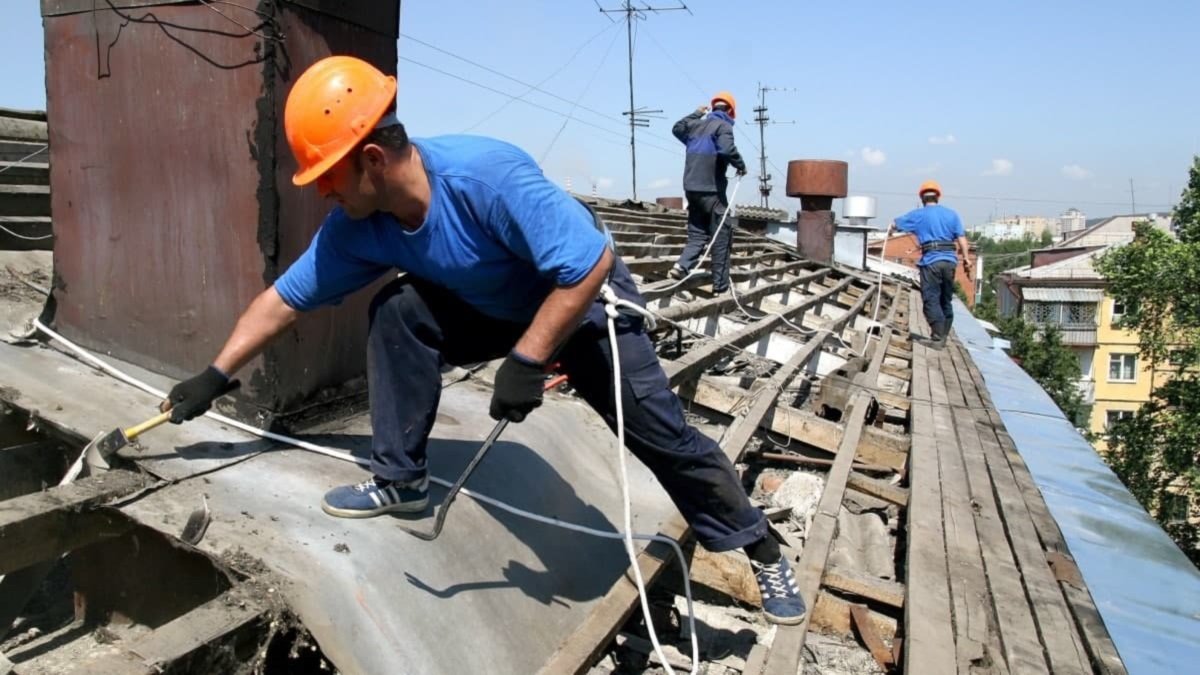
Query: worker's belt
[[931, 246]]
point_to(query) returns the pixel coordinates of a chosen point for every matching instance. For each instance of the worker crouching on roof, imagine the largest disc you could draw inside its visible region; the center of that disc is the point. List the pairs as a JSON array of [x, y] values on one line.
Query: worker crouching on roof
[[940, 233], [710, 151], [501, 263]]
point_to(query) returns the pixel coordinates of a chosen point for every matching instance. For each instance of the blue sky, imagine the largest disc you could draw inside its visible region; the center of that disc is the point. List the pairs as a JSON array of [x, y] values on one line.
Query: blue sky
[[1004, 103]]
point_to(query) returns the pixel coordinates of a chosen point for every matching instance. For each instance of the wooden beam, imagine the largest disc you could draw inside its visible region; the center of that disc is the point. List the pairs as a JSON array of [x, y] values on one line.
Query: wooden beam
[[879, 447], [666, 287], [890, 593], [726, 573], [46, 524], [725, 302], [700, 358], [189, 641], [831, 614], [738, 435], [870, 638], [804, 460], [784, 658], [878, 488]]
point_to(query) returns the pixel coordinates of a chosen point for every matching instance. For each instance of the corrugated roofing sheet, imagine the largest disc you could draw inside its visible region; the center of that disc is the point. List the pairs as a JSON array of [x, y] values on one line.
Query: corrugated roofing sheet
[[1063, 294]]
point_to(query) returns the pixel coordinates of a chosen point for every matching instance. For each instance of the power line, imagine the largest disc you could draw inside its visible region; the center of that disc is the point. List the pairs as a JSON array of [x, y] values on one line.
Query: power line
[[703, 92], [1009, 199], [533, 88], [637, 117], [583, 93], [529, 103]]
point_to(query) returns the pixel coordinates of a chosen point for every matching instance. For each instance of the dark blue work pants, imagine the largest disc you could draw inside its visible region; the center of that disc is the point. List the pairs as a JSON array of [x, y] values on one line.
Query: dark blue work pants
[[937, 294], [705, 211], [416, 327]]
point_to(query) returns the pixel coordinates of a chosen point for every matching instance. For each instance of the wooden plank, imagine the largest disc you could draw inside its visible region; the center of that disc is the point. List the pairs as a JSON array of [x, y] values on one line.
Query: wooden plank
[[789, 640], [1094, 634], [929, 635], [738, 435], [1022, 651], [727, 573], [1054, 619], [862, 623], [185, 642], [46, 524], [581, 648], [878, 488], [831, 614], [661, 289], [879, 447], [804, 460], [883, 591], [725, 302], [970, 598]]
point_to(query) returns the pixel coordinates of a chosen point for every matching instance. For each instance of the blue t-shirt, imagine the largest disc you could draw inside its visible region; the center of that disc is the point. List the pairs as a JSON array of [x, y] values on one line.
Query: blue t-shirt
[[933, 223], [498, 234]]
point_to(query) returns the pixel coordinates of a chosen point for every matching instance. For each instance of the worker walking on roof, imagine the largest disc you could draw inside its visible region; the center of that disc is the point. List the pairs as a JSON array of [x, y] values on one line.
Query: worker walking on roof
[[710, 151], [501, 263], [940, 233]]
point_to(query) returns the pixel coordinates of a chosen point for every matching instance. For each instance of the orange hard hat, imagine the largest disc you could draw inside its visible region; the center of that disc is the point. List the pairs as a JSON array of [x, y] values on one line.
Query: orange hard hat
[[930, 186], [332, 107], [727, 98]]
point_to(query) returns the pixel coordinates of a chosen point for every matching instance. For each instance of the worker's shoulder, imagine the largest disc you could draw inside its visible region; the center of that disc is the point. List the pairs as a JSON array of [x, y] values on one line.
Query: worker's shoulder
[[944, 212], [476, 157]]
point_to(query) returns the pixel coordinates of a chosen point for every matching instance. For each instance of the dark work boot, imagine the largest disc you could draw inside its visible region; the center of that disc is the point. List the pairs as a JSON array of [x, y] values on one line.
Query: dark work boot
[[937, 335]]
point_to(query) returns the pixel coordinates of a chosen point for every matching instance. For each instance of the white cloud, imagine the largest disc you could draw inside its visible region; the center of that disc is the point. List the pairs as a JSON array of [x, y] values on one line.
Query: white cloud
[[1076, 172], [1000, 167], [873, 156], [659, 183], [603, 182], [948, 139]]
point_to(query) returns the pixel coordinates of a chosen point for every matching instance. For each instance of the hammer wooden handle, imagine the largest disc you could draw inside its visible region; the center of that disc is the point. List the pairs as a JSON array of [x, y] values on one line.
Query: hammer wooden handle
[[137, 430]]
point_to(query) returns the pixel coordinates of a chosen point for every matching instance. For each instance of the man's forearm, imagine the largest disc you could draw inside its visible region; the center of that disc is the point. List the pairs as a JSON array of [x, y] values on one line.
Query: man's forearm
[[561, 312], [266, 317], [964, 251]]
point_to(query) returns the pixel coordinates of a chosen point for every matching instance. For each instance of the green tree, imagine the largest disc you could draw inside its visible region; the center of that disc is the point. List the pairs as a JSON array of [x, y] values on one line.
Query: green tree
[[1051, 363], [1156, 453], [1047, 238]]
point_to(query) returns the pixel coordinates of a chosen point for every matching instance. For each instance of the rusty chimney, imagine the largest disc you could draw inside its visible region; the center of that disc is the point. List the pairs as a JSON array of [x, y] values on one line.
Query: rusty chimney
[[817, 182]]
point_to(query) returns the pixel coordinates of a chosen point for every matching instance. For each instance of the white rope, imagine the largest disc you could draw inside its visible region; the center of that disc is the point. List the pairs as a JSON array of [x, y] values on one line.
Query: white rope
[[32, 154], [21, 236], [627, 535], [611, 304], [704, 256]]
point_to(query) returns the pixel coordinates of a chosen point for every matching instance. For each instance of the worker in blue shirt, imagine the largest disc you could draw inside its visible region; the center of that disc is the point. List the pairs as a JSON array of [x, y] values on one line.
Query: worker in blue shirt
[[940, 233], [500, 263]]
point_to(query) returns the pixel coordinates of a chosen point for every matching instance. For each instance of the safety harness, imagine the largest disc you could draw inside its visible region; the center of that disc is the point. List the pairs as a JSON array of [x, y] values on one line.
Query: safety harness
[[940, 245]]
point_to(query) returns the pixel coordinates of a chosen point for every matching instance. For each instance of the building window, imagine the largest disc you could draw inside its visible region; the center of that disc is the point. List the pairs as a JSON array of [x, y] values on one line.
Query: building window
[[1080, 313], [1122, 368], [1175, 508], [1120, 309], [1111, 417]]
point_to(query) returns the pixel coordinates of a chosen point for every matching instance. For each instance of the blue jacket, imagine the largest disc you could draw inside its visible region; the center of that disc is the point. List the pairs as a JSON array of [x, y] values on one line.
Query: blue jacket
[[710, 151]]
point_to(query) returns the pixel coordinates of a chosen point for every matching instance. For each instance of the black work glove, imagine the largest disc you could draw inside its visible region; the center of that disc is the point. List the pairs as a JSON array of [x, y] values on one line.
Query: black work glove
[[741, 171], [518, 388], [193, 397]]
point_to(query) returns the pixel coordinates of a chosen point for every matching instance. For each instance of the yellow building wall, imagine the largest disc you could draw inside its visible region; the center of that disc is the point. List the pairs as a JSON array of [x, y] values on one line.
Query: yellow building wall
[[1110, 395]]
